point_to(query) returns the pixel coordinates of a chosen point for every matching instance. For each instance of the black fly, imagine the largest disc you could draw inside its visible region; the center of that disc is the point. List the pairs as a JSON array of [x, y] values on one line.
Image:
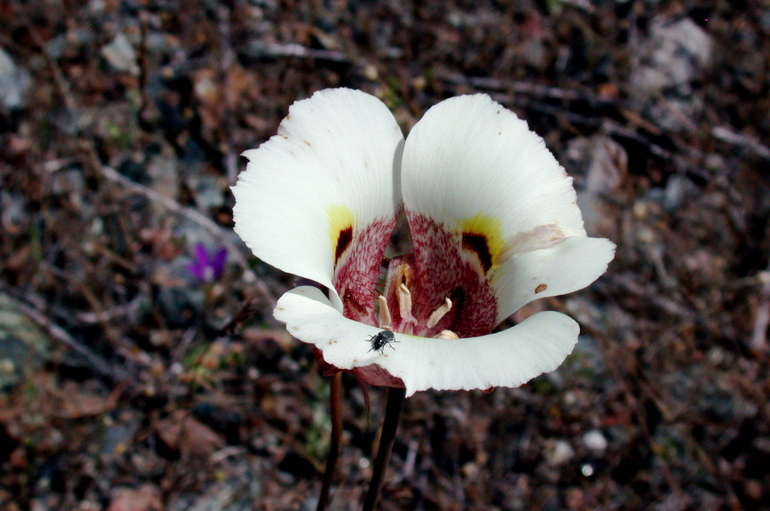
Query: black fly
[[382, 339]]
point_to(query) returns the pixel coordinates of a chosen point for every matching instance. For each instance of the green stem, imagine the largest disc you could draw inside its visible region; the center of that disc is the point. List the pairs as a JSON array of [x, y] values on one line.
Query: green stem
[[335, 404], [388, 435]]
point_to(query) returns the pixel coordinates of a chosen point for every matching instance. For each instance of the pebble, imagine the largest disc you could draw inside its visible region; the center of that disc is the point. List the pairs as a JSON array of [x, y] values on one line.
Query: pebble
[[595, 441], [120, 55], [676, 53], [23, 345], [558, 453], [14, 83]]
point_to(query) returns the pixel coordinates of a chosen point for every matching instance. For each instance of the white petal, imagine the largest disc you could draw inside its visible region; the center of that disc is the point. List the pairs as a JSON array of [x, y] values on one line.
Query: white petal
[[509, 358], [310, 317], [470, 155], [476, 169], [570, 265], [334, 154], [504, 359]]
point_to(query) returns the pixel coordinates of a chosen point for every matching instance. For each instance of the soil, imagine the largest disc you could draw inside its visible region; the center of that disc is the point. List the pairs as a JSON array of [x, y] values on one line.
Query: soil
[[130, 383]]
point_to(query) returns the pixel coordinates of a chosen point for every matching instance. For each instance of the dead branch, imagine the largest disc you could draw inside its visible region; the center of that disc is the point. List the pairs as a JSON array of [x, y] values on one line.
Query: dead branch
[[97, 363], [731, 137], [758, 343]]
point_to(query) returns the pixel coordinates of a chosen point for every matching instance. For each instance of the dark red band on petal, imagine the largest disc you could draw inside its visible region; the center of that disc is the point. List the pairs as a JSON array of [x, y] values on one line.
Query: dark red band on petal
[[477, 243], [344, 240]]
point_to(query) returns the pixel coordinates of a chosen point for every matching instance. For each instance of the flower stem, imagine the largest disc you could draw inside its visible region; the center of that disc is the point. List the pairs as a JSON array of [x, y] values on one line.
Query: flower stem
[[335, 404], [387, 436]]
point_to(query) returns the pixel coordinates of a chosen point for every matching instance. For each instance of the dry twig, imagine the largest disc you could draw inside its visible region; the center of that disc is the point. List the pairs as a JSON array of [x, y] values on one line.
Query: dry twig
[[731, 137], [758, 342], [517, 87], [97, 363]]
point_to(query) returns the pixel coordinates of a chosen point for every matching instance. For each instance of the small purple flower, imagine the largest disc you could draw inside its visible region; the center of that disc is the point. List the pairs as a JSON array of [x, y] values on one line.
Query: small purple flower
[[205, 267]]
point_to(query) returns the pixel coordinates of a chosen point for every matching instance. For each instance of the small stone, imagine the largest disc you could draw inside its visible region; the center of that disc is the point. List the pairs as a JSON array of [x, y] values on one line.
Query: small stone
[[120, 55], [14, 83], [558, 452], [145, 498], [594, 440], [606, 168], [163, 173], [678, 190], [676, 53], [24, 347], [208, 192], [7, 367], [371, 72], [753, 488]]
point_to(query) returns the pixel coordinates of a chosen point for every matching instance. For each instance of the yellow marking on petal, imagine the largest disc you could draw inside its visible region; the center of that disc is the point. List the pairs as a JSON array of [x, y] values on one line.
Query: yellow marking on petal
[[340, 229], [483, 235]]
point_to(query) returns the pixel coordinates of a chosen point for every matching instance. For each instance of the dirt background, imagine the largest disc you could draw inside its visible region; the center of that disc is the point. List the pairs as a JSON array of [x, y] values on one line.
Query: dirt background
[[129, 384]]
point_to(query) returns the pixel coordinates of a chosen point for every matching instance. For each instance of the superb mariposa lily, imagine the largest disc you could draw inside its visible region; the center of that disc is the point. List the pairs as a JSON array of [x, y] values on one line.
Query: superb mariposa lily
[[493, 222]]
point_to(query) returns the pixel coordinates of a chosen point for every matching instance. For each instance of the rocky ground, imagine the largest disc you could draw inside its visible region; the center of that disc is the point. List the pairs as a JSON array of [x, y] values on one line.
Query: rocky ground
[[131, 381]]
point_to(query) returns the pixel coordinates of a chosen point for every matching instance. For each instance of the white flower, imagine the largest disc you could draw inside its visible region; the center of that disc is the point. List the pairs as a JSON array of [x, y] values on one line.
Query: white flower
[[492, 217]]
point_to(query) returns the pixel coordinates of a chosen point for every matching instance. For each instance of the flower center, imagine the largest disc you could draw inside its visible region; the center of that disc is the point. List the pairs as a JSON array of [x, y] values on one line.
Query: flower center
[[396, 307]]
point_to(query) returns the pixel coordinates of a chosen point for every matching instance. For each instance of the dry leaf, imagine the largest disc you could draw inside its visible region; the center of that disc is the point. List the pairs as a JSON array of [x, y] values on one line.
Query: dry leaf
[[184, 433], [144, 498]]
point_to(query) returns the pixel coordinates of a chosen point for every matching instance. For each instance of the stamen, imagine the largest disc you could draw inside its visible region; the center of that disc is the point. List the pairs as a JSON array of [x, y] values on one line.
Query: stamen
[[405, 308], [385, 319], [439, 313], [447, 334], [404, 301]]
